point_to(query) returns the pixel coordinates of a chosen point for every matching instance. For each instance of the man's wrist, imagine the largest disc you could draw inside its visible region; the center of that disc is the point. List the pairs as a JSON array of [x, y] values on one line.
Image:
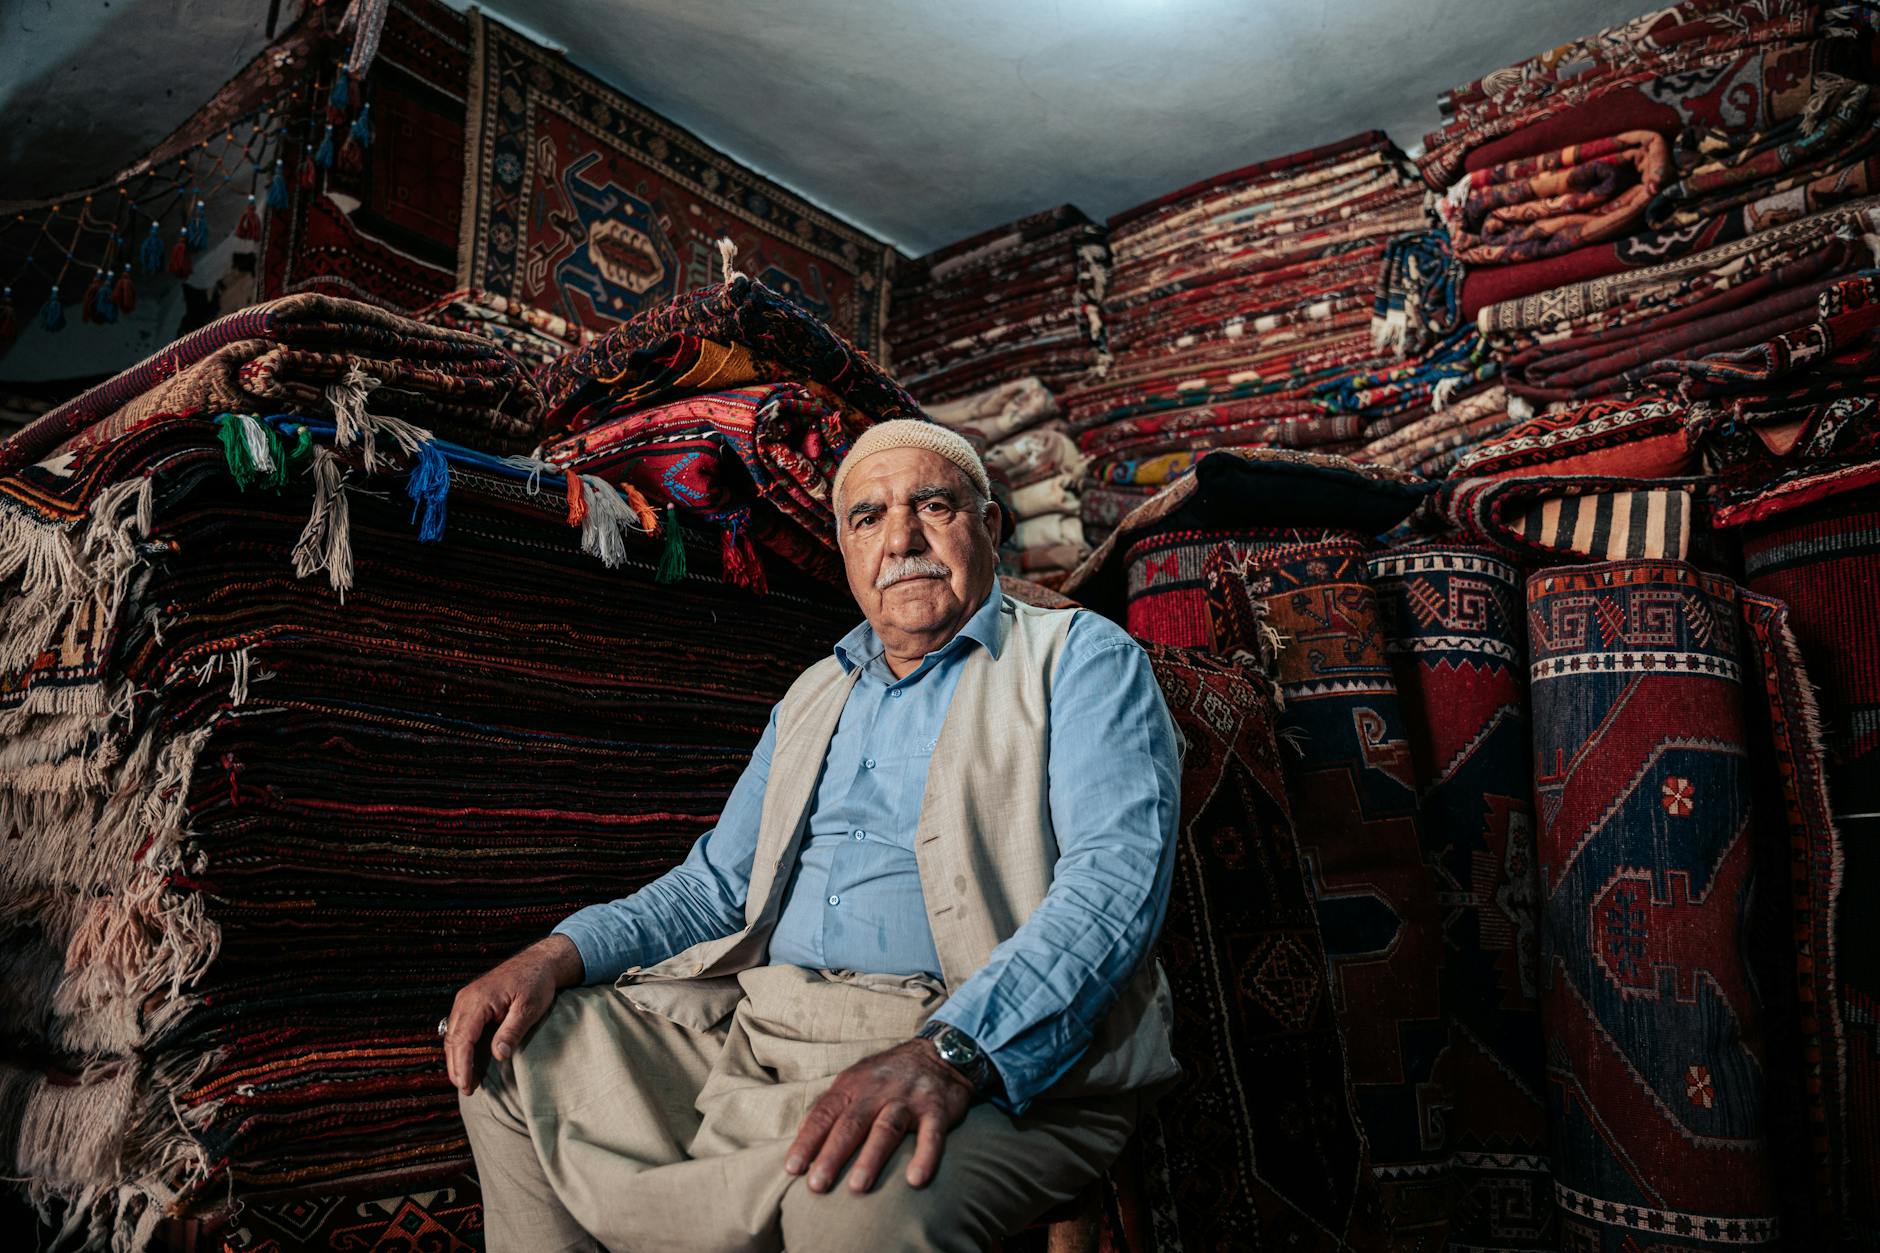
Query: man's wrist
[[961, 1052]]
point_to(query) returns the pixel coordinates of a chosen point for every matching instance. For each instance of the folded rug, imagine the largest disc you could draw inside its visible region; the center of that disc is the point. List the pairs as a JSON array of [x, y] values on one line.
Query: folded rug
[[287, 353]]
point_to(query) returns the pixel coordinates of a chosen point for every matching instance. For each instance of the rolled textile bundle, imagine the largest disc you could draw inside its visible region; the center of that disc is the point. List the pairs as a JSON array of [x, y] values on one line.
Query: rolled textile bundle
[[1036, 453], [1549, 204], [999, 412], [1049, 529], [1057, 494], [533, 336]]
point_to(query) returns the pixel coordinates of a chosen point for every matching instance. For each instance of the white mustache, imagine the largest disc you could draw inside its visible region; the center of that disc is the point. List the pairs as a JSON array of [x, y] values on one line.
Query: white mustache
[[897, 569]]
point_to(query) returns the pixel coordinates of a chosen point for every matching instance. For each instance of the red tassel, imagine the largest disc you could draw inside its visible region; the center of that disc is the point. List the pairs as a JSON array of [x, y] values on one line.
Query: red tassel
[[577, 500], [88, 307], [250, 225], [742, 568], [179, 257], [124, 293], [352, 158], [335, 117], [308, 176]]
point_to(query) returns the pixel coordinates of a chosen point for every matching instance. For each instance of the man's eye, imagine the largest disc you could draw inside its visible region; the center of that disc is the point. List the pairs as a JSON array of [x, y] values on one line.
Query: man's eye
[[937, 506], [866, 520]]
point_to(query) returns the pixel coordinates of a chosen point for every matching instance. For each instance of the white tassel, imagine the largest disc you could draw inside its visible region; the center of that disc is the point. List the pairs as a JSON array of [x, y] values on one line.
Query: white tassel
[[609, 518], [536, 468], [347, 399], [256, 438], [728, 253], [407, 435], [326, 542], [1444, 392], [1520, 409]]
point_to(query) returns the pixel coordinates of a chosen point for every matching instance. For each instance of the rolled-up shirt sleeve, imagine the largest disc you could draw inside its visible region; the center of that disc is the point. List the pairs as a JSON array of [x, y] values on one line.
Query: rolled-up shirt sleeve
[[702, 898], [1115, 802]]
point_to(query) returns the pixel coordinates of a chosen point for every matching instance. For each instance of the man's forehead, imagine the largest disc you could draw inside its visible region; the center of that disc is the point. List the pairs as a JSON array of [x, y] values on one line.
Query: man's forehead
[[900, 472]]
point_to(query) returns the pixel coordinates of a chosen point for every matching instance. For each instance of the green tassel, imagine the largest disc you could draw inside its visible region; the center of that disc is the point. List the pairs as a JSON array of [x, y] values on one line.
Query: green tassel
[[276, 478], [302, 451], [672, 557], [235, 450]]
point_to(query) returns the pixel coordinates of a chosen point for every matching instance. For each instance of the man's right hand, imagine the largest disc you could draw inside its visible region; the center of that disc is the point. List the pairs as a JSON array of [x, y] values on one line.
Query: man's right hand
[[514, 996]]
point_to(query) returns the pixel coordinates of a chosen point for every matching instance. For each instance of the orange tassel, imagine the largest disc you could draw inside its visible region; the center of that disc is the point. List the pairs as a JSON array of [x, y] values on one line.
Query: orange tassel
[[577, 500], [642, 509]]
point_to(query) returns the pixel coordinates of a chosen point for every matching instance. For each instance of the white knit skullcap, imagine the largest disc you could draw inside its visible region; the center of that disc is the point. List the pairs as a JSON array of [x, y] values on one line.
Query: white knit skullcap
[[914, 433]]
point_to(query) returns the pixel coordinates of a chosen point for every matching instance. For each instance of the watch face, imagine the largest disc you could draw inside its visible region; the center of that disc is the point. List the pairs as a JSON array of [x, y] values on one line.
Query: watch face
[[957, 1048]]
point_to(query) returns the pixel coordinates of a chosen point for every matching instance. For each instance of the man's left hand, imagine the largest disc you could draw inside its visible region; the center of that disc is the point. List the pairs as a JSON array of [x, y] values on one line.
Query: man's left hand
[[872, 1106]]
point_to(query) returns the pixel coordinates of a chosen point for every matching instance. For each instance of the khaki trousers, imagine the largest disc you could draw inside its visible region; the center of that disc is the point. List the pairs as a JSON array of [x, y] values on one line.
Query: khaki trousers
[[614, 1127]]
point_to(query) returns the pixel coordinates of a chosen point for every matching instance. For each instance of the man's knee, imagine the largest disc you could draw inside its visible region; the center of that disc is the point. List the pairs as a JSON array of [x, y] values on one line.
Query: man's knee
[[887, 1218]]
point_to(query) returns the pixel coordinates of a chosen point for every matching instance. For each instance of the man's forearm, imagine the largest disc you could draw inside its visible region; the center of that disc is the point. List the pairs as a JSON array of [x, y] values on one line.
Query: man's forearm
[[557, 955]]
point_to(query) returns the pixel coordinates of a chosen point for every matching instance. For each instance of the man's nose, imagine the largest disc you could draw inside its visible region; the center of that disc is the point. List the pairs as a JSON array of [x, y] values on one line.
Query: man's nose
[[904, 532]]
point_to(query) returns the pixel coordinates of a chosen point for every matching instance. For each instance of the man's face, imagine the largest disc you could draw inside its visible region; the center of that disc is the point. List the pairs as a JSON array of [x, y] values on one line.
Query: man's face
[[920, 557]]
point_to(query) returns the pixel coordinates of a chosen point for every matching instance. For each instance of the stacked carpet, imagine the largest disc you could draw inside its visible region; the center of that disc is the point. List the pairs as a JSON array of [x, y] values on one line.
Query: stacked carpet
[[1699, 125], [1023, 300], [263, 825], [1562, 805], [1239, 315]]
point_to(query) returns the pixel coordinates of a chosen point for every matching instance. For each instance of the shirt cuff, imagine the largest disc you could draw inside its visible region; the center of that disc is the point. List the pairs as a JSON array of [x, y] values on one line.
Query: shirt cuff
[[597, 955]]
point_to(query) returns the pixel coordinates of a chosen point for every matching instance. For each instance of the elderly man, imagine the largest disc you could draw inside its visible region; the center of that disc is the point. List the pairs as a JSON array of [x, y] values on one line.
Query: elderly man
[[900, 996]]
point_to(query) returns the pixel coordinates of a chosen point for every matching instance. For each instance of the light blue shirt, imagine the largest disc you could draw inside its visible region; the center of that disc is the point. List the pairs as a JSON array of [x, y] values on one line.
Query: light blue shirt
[[854, 899]]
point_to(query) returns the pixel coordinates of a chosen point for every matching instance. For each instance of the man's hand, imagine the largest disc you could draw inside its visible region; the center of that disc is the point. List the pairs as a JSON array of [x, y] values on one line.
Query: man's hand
[[872, 1106], [516, 994]]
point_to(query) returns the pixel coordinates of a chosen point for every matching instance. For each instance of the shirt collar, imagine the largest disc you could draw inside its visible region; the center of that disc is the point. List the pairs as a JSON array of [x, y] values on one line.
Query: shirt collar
[[986, 628]]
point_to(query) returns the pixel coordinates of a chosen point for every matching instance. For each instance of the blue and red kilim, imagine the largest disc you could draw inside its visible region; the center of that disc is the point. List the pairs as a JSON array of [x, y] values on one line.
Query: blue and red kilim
[[1656, 1067]]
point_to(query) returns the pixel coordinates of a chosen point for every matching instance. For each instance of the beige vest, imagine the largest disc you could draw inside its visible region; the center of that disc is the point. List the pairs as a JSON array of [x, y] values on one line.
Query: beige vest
[[985, 847]]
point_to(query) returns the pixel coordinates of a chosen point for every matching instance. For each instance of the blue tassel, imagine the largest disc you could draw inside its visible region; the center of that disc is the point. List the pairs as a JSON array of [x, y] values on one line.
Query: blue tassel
[[151, 254], [323, 155], [107, 308], [428, 485], [338, 97], [362, 125], [198, 227], [277, 189], [52, 317]]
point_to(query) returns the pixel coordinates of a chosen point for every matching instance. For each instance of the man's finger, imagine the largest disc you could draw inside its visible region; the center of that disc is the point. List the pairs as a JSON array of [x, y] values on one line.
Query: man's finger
[[460, 1043], [890, 1127], [516, 1023], [809, 1136], [850, 1129], [929, 1140]]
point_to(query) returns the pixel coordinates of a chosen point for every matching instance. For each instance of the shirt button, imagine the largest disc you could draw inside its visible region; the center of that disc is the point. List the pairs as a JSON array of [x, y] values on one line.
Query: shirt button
[[868, 763], [835, 900], [861, 835], [896, 693]]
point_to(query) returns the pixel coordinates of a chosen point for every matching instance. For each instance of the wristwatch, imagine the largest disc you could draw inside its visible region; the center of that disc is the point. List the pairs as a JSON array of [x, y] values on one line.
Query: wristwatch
[[958, 1050]]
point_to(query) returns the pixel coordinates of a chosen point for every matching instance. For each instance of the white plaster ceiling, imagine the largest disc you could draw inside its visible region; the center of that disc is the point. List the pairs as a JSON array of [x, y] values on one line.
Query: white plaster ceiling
[[919, 120]]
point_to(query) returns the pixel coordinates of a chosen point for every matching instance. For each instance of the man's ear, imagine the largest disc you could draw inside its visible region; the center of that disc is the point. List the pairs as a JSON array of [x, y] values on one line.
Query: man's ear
[[994, 519]]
